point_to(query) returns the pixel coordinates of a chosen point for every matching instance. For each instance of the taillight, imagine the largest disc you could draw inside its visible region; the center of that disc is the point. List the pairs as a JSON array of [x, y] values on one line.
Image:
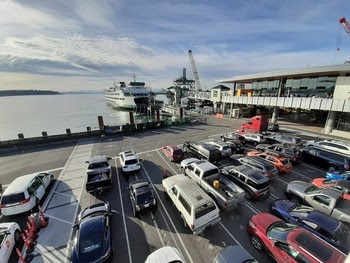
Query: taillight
[[24, 201], [267, 174], [2, 206], [192, 227]]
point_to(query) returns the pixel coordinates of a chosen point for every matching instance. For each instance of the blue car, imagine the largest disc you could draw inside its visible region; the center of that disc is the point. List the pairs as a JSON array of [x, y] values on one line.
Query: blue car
[[338, 175], [329, 229]]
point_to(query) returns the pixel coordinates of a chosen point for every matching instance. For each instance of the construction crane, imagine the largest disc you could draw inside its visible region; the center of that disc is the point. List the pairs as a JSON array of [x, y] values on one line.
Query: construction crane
[[345, 24], [195, 71]]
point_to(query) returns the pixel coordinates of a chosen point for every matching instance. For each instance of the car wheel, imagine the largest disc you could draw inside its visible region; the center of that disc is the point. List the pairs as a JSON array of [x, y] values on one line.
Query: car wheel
[[17, 236], [257, 244], [248, 195]]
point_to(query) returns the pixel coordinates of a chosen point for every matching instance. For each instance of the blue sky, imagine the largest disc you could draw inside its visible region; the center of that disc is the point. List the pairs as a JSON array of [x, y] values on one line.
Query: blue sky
[[87, 44]]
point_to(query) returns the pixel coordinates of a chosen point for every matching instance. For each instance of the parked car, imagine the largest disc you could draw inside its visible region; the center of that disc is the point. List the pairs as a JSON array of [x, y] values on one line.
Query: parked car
[[338, 175], [267, 168], [325, 158], [236, 146], [289, 243], [324, 226], [342, 185], [254, 138], [282, 163], [202, 151], [334, 145], [93, 236], [166, 254], [198, 211], [129, 162], [273, 127], [234, 254], [254, 183], [284, 139], [142, 197], [24, 193], [233, 136], [98, 173], [326, 200], [226, 194], [187, 162], [291, 152], [10, 236], [173, 152], [223, 147]]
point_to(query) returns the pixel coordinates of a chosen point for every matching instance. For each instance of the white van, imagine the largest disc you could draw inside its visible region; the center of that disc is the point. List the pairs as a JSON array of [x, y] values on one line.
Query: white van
[[198, 211], [24, 193]]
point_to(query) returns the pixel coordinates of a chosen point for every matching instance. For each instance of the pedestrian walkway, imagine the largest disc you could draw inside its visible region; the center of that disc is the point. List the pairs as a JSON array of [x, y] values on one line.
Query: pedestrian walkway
[[62, 205]]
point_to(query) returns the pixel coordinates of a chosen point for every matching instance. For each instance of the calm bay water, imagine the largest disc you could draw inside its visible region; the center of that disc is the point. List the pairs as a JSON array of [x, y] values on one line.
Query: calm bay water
[[31, 115]]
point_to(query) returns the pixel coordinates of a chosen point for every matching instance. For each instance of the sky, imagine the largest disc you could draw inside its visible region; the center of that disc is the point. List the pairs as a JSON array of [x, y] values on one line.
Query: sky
[[72, 45]]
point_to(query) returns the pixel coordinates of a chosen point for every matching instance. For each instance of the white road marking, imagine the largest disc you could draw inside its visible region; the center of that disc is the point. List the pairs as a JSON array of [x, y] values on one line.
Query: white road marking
[[279, 179], [167, 163], [274, 196], [123, 214], [156, 225], [171, 221], [303, 176]]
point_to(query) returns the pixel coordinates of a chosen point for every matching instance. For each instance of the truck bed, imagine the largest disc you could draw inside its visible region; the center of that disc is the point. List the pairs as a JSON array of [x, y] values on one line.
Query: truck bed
[[98, 181], [227, 189]]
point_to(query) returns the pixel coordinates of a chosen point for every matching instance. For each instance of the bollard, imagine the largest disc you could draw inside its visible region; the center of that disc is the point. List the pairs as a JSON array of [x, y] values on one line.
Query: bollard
[[20, 257]]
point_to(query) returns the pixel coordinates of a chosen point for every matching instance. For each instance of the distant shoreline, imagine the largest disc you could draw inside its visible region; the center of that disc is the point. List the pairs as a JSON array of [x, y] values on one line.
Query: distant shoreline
[[8, 93]]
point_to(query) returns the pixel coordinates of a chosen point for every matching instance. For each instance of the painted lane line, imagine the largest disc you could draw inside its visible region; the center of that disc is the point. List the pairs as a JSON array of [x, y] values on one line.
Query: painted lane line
[[255, 210], [229, 233], [123, 214], [303, 176], [276, 197], [313, 168], [157, 228], [167, 163], [279, 179], [171, 221]]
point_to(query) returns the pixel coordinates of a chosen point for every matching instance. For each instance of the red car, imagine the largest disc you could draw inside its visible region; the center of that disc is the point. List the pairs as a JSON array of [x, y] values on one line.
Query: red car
[[173, 152], [342, 185], [290, 243]]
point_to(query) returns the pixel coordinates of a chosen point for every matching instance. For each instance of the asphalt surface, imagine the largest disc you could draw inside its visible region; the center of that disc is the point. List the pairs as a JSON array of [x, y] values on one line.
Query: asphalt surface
[[135, 238]]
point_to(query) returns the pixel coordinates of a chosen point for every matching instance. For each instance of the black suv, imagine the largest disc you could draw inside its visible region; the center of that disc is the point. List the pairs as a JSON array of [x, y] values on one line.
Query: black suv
[[142, 197], [326, 159], [291, 152], [236, 146], [202, 151], [255, 184], [257, 163]]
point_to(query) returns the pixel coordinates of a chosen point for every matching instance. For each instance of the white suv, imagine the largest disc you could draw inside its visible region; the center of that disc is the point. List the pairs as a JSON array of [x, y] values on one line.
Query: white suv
[[129, 162], [223, 147], [334, 145]]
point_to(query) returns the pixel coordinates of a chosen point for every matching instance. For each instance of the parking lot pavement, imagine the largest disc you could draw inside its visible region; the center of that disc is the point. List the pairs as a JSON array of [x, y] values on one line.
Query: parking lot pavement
[[135, 238]]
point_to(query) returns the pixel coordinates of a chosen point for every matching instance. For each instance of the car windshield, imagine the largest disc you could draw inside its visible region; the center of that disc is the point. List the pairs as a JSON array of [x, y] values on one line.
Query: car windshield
[[90, 241], [312, 189], [343, 234], [279, 231], [144, 197], [98, 165], [11, 199]]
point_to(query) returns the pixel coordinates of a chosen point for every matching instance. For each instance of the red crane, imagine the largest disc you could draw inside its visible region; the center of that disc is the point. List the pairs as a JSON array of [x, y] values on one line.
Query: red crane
[[345, 24]]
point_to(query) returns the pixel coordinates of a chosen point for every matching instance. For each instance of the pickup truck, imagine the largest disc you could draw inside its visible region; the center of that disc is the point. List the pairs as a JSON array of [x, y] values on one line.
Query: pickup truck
[[225, 193], [98, 173], [326, 200]]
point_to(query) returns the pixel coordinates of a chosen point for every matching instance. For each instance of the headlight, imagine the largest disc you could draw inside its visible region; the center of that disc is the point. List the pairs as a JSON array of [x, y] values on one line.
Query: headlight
[[137, 207]]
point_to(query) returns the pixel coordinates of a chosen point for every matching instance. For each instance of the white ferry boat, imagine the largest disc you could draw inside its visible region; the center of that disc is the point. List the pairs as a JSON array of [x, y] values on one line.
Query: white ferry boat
[[131, 96]]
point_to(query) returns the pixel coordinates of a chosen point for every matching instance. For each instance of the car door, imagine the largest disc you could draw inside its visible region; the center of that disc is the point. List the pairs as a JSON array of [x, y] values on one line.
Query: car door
[[37, 188], [284, 252], [45, 178], [321, 203]]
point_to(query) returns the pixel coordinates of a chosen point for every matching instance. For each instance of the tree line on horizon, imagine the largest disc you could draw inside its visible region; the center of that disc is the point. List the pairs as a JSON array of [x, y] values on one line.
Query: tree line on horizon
[[27, 92]]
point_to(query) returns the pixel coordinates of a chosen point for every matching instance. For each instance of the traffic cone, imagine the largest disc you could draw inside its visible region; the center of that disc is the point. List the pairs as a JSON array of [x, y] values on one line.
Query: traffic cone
[[33, 235], [44, 220], [29, 244], [20, 257], [35, 230]]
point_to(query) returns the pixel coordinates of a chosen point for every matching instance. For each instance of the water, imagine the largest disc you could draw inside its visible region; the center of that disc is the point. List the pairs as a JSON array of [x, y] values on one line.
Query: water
[[32, 115]]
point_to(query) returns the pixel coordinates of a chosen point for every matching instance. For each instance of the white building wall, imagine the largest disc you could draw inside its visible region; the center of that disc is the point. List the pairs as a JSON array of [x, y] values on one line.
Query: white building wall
[[342, 88]]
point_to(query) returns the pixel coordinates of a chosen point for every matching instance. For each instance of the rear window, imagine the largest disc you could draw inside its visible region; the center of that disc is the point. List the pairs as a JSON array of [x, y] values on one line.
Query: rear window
[[178, 152], [132, 161], [258, 186], [210, 172], [204, 209], [314, 246], [98, 165], [11, 199]]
